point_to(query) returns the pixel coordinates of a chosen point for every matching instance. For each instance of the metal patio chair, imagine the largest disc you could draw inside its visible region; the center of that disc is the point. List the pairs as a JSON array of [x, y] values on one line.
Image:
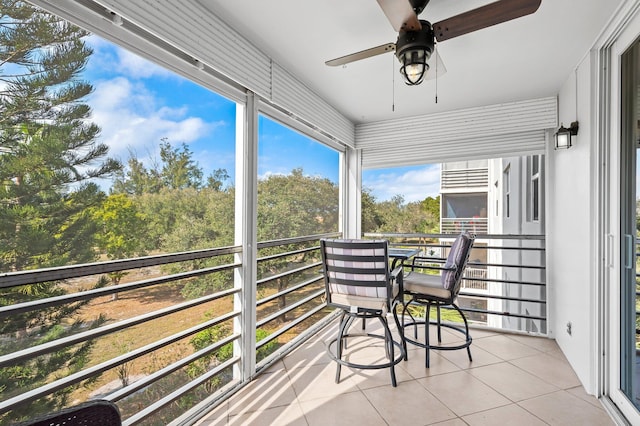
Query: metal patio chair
[[437, 290], [358, 281], [91, 413]]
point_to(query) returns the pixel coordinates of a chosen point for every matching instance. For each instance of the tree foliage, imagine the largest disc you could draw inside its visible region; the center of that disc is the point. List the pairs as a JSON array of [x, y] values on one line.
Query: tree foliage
[[120, 227], [397, 216], [294, 205], [48, 148], [176, 169], [49, 153]]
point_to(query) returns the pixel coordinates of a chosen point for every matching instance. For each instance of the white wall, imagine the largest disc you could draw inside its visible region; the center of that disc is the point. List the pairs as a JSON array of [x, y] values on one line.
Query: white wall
[[569, 229], [516, 223]]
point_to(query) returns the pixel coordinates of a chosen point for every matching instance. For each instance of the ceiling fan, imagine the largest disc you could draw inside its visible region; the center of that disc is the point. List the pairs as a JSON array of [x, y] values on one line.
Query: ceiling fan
[[416, 37]]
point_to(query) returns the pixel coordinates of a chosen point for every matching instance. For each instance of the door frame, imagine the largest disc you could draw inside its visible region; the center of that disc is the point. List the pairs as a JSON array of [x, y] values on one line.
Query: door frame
[[619, 35]]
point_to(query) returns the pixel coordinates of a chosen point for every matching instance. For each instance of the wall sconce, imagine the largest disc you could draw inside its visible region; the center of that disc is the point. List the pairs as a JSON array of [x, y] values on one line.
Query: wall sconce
[[564, 136]]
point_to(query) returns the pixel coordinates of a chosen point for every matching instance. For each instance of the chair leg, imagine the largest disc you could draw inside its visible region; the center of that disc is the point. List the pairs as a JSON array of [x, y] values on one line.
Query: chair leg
[[427, 313], [387, 349], [438, 319], [466, 329], [342, 328], [388, 338], [350, 321], [405, 310], [400, 328]]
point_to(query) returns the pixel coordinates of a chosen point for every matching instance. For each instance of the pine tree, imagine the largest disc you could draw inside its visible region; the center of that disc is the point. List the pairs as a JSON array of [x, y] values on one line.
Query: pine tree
[[49, 154]]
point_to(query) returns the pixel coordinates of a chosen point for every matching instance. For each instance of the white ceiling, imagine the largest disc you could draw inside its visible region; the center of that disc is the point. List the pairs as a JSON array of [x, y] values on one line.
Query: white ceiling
[[527, 58]]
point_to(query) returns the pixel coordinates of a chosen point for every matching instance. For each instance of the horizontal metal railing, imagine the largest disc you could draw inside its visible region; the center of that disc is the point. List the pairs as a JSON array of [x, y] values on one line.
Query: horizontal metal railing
[[511, 294], [302, 276], [290, 306], [109, 331], [474, 225]]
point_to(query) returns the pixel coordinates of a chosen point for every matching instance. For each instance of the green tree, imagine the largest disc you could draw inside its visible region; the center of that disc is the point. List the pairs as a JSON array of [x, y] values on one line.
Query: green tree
[[121, 228], [179, 170], [291, 206], [193, 219], [180, 213], [48, 155], [294, 205], [217, 179], [135, 179], [371, 220], [431, 206], [176, 169]]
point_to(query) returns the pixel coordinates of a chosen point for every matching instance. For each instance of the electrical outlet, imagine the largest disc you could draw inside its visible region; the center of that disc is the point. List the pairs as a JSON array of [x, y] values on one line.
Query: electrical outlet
[[569, 328]]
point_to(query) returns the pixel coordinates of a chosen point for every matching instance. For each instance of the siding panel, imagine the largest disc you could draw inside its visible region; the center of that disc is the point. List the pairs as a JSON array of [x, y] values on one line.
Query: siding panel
[[485, 132]]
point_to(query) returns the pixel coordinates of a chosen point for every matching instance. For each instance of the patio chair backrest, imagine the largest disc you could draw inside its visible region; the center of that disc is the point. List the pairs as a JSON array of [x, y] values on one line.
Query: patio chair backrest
[[357, 268], [457, 262]]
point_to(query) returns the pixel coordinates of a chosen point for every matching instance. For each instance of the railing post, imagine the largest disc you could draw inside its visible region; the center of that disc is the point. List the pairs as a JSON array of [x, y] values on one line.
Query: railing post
[[246, 235]]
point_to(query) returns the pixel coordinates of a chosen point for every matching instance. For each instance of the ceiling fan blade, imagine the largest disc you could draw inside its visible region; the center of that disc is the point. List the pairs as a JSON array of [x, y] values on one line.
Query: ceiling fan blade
[[436, 67], [374, 51], [400, 14], [483, 17]]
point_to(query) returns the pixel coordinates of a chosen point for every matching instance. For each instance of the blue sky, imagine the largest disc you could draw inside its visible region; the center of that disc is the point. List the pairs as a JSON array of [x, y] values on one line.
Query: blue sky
[[137, 104]]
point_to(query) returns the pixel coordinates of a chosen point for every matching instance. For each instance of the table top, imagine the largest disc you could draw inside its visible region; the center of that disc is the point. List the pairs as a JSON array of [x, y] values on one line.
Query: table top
[[403, 253]]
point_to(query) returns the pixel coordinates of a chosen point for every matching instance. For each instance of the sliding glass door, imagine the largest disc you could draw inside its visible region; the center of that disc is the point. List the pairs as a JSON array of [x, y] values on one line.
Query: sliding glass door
[[624, 337], [630, 79]]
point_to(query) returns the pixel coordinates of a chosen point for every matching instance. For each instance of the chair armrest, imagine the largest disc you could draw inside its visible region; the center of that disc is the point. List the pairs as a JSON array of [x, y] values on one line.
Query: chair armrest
[[439, 260], [396, 272], [397, 275]]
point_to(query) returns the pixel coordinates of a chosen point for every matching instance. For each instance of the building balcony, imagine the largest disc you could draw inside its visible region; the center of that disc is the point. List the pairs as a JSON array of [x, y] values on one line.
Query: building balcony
[[475, 225], [184, 333], [165, 354]]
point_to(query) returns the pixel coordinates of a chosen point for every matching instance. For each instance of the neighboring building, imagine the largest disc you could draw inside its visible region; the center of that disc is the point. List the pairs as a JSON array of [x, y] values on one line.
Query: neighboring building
[[502, 196]]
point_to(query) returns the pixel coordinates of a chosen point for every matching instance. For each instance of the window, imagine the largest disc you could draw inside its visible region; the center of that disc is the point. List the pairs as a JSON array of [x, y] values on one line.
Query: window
[[533, 189], [467, 205], [297, 183], [497, 210], [506, 188]]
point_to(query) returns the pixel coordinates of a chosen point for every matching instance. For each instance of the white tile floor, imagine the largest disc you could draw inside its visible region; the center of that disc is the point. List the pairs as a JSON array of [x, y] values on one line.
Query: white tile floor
[[513, 380]]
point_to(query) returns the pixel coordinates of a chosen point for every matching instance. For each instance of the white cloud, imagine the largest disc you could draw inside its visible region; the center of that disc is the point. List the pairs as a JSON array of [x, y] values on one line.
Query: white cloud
[[413, 185], [131, 119], [120, 61], [136, 67], [269, 173]]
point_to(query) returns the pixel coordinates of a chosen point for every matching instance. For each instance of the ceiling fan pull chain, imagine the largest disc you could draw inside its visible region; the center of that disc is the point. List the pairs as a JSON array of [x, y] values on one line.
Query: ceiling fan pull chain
[[393, 84], [436, 47]]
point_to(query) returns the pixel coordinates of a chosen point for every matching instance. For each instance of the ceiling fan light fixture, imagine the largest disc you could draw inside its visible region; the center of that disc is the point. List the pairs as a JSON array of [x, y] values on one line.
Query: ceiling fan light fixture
[[413, 50], [414, 67]]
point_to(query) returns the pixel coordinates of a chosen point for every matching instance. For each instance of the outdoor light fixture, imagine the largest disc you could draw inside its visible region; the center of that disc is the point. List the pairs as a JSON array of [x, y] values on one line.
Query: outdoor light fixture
[[564, 136], [413, 50]]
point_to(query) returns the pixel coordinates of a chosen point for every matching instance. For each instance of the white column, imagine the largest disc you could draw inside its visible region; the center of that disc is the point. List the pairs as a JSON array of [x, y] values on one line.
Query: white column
[[246, 202], [351, 193]]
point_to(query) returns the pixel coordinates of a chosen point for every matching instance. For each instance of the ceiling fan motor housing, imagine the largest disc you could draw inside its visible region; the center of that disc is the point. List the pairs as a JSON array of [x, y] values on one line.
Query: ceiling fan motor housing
[[413, 50], [418, 5]]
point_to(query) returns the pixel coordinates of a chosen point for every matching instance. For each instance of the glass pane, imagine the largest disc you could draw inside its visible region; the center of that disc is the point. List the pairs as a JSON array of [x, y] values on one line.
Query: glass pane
[[131, 160], [162, 155], [630, 219], [297, 183], [464, 206]]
